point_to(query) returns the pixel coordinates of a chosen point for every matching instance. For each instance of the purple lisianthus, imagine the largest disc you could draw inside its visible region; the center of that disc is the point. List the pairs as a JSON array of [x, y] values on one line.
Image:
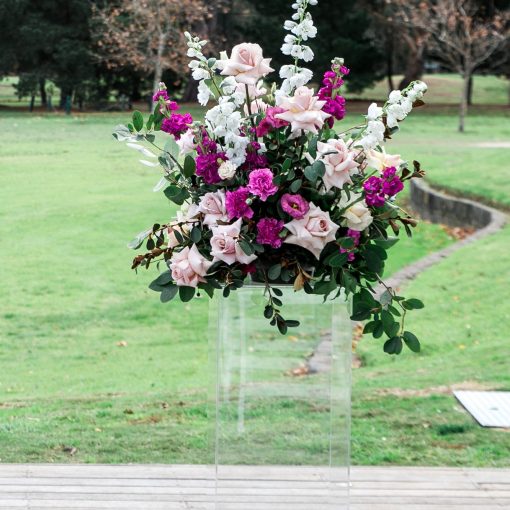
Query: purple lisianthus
[[177, 124], [268, 232], [294, 205], [391, 184], [236, 204], [260, 183]]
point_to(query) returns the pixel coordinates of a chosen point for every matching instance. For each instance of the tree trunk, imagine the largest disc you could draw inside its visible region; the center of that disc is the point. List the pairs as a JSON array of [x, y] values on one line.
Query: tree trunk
[[42, 91], [415, 61], [464, 101], [158, 66], [389, 59], [470, 91], [32, 103]]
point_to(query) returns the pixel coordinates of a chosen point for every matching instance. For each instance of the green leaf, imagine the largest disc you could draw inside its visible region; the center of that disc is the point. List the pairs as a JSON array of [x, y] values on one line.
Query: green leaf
[[347, 243], [388, 322], [137, 120], [369, 327], [386, 298], [319, 168], [374, 262], [196, 235], [286, 165], [310, 174], [186, 293], [296, 185], [176, 194], [282, 326], [274, 272], [277, 291], [189, 166], [337, 260], [168, 293], [246, 247], [312, 147], [378, 330], [393, 345], [162, 280], [412, 341], [387, 243], [412, 304], [268, 311], [292, 323]]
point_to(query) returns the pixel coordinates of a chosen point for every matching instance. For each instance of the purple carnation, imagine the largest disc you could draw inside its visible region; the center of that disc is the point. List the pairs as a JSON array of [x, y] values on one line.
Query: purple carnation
[[261, 183], [268, 232], [237, 205], [391, 182], [294, 205], [177, 124]]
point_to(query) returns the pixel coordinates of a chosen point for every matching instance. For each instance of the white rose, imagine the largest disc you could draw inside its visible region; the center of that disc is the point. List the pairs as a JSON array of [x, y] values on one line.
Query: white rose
[[357, 216]]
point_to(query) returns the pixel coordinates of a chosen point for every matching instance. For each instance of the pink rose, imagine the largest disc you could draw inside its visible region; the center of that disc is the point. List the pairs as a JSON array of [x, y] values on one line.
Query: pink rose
[[257, 106], [313, 231], [339, 166], [303, 111], [212, 206], [189, 267], [246, 64], [225, 244]]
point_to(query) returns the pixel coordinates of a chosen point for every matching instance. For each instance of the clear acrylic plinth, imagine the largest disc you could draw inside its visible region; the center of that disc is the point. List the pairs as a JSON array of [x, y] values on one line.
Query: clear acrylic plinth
[[280, 405]]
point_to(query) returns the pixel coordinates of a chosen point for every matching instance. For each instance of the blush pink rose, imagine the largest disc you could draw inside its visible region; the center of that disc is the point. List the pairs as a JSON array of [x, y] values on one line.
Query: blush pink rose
[[189, 267], [246, 64], [339, 163], [382, 160], [212, 206], [303, 111], [313, 231], [225, 244]]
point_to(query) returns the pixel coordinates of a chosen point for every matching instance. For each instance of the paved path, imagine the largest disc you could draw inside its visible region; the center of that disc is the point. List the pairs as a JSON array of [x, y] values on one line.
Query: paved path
[[156, 487]]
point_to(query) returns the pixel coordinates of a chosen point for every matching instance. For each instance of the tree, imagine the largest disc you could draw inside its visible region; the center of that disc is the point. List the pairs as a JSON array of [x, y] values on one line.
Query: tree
[[147, 35], [345, 29], [46, 39], [462, 35]]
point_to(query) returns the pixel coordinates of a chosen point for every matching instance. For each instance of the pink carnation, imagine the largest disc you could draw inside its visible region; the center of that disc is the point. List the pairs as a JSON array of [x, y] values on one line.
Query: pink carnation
[[261, 183]]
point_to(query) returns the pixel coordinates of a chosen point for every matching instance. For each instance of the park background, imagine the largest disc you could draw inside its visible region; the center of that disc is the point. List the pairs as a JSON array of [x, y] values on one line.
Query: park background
[[92, 367]]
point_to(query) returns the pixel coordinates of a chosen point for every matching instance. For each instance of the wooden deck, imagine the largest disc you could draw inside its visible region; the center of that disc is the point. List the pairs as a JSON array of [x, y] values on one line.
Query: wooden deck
[[156, 487]]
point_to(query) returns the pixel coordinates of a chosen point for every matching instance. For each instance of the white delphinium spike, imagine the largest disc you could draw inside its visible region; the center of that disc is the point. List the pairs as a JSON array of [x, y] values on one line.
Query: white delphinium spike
[[301, 29]]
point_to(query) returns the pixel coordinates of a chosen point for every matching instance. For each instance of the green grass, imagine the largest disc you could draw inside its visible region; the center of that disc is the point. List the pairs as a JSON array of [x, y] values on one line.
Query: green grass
[[89, 358], [446, 89]]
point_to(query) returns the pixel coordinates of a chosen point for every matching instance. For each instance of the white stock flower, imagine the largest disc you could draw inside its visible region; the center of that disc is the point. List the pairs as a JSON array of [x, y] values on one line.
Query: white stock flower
[[204, 93], [374, 112]]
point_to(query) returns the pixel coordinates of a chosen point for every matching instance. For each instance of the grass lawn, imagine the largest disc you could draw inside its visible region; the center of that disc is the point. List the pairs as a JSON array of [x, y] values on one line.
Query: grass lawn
[[446, 88], [90, 359]]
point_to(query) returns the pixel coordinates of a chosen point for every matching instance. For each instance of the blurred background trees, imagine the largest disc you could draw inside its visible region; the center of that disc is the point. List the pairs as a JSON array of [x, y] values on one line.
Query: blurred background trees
[[93, 51]]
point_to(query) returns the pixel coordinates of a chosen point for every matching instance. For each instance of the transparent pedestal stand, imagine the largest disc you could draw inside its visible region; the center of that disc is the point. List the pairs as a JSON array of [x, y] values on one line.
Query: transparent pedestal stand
[[280, 405]]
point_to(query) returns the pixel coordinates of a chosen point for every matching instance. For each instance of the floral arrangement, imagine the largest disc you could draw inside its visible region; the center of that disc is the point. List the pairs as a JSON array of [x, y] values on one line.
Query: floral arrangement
[[272, 190]]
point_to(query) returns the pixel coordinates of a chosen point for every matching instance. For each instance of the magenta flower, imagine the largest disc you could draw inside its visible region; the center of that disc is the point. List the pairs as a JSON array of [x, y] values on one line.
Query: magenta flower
[[237, 205], [260, 183], [209, 160], [270, 122], [355, 235], [391, 182], [268, 232], [253, 158], [170, 105], [374, 195], [335, 103], [294, 205], [177, 124]]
